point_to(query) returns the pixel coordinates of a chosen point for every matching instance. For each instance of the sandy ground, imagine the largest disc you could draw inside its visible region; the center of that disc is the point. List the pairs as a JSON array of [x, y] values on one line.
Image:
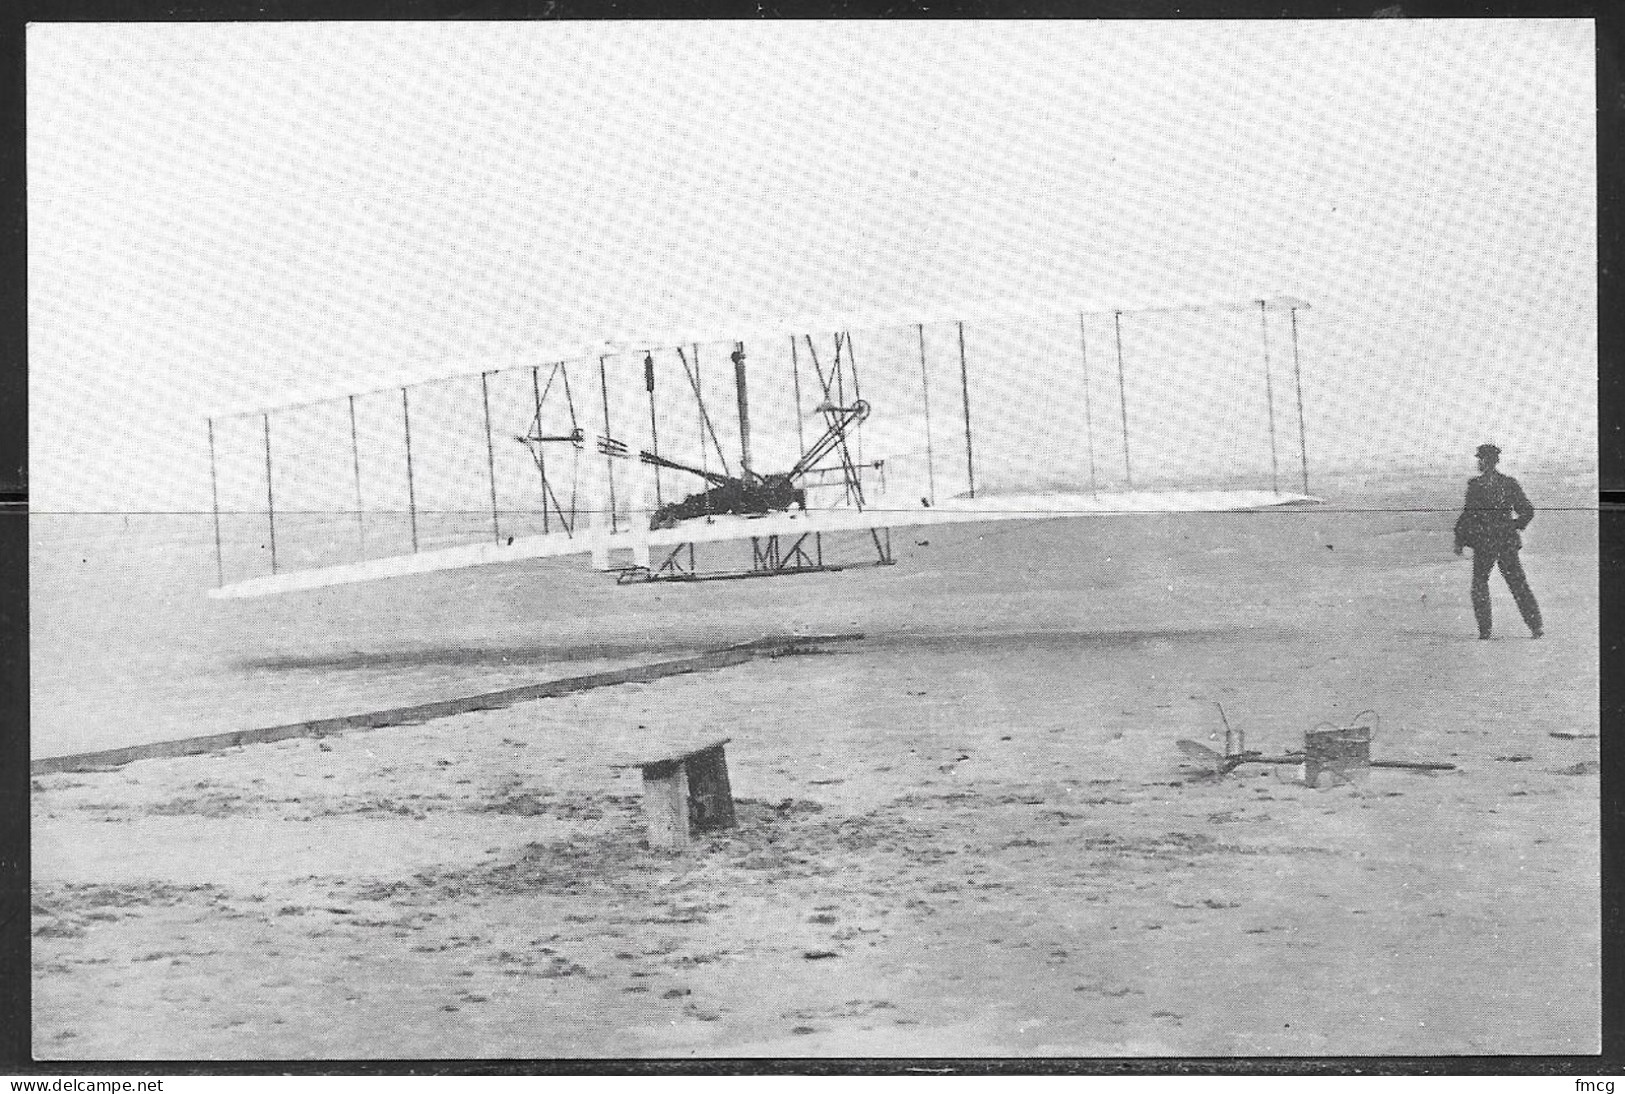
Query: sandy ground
[[969, 833]]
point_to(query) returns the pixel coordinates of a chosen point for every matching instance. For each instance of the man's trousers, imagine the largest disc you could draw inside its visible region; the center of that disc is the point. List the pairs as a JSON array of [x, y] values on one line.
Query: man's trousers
[[1486, 559]]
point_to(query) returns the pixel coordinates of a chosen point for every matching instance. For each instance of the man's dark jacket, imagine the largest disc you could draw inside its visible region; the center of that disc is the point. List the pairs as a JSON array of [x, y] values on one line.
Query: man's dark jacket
[[1495, 511]]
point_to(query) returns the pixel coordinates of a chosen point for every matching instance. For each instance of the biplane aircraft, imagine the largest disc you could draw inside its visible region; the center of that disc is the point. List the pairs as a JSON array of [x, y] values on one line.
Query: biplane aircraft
[[636, 453]]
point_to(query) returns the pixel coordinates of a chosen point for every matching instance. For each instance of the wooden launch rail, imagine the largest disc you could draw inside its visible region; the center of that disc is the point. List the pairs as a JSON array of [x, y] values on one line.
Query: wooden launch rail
[[326, 727]]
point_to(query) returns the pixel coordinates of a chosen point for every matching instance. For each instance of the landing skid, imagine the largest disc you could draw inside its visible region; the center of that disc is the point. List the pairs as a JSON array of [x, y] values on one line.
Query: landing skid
[[770, 557]]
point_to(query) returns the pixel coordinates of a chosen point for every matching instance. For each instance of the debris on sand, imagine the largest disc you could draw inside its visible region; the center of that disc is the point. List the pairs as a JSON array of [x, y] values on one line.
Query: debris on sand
[[521, 805], [800, 649]]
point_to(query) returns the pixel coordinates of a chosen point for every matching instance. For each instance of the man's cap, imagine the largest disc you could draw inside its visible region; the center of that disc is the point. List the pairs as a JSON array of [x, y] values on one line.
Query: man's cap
[[1488, 452]]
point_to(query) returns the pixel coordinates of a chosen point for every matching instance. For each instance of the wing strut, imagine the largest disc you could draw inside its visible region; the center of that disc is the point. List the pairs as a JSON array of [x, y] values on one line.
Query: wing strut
[[964, 388], [1088, 418], [270, 494], [1269, 395], [214, 492], [411, 490], [1122, 389], [925, 392], [1297, 371], [795, 378], [355, 459], [490, 455]]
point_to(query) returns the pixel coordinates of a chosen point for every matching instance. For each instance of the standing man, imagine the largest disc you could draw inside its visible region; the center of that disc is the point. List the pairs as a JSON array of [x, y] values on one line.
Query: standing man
[[1495, 512]]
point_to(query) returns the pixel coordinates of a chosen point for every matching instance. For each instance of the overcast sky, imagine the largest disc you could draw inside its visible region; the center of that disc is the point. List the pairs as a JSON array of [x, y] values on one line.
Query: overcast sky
[[233, 214]]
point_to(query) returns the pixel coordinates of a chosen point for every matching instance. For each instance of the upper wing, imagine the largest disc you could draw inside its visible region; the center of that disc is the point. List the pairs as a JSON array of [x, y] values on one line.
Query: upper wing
[[437, 458]]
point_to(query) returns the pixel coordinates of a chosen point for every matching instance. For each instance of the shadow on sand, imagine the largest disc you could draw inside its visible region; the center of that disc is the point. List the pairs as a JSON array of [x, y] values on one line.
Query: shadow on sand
[[1064, 640], [465, 656], [509, 656]]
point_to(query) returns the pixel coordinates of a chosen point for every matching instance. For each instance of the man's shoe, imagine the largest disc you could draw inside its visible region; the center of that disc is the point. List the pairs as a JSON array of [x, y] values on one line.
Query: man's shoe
[[1483, 638], [1537, 633]]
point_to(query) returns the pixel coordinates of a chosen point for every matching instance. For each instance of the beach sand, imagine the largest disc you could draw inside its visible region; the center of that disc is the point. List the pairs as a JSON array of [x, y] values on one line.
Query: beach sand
[[968, 833]]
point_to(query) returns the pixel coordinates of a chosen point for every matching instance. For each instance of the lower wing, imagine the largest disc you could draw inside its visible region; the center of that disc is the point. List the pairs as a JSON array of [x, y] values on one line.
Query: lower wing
[[598, 542]]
